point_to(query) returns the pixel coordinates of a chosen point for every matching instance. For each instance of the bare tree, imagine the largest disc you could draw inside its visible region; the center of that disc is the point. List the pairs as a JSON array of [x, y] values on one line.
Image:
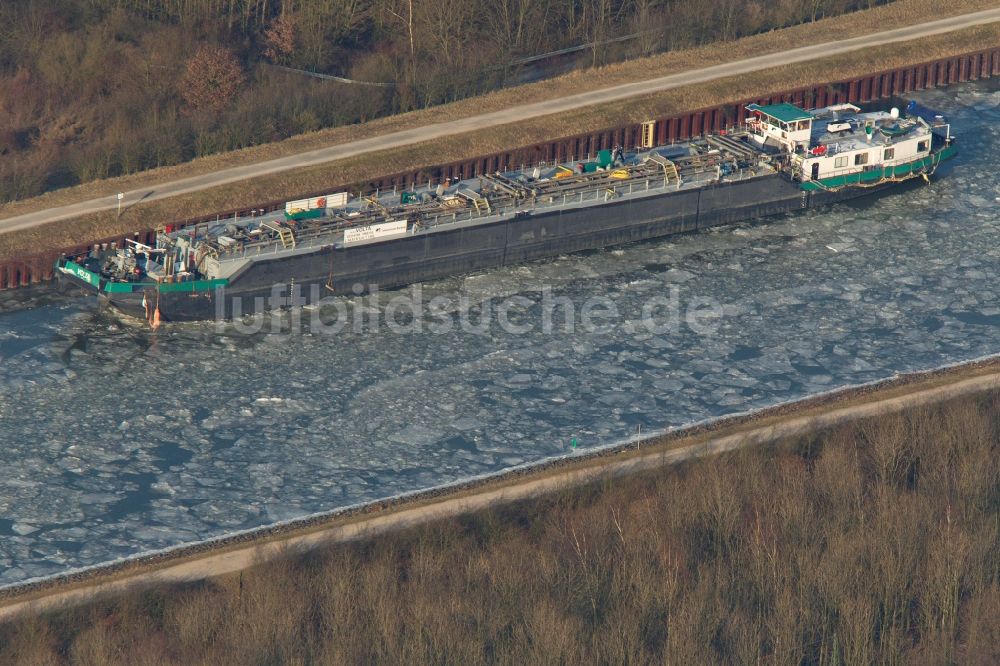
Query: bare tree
[[212, 78], [280, 39]]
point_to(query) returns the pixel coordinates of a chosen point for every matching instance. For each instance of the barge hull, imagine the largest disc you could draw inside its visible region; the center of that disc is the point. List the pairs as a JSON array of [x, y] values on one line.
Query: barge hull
[[331, 270]]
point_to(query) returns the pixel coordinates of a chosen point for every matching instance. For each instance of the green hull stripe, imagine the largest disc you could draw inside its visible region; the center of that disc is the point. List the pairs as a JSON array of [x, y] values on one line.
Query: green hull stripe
[[108, 287], [876, 175], [78, 271], [163, 287], [194, 285]]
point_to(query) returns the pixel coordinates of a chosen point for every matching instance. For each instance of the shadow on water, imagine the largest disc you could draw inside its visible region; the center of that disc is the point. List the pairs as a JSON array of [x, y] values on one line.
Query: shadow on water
[[19, 345], [742, 353], [975, 318], [33, 318], [79, 344], [135, 501], [459, 443], [38, 296], [932, 324], [809, 369], [171, 454]]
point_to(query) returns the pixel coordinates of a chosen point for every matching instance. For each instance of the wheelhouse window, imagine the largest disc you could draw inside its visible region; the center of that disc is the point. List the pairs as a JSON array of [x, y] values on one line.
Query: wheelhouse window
[[890, 153], [860, 158], [922, 146], [840, 162]]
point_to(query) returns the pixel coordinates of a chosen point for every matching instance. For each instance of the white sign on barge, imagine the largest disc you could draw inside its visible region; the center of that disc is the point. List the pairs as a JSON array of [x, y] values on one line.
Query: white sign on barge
[[373, 231]]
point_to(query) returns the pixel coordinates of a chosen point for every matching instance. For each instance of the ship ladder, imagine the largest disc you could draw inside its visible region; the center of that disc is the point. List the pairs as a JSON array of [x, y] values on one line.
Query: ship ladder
[[287, 237], [482, 206], [284, 233], [375, 204], [481, 203], [670, 171]]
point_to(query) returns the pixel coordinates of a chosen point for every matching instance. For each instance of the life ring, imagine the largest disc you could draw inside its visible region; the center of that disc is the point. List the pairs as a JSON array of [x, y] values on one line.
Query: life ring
[[321, 202]]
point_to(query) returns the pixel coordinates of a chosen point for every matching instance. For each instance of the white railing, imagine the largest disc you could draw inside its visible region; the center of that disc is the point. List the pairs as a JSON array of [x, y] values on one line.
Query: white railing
[[853, 169]]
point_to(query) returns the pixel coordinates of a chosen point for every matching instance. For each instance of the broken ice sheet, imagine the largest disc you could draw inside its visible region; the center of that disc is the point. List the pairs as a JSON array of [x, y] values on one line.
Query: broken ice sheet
[[189, 433]]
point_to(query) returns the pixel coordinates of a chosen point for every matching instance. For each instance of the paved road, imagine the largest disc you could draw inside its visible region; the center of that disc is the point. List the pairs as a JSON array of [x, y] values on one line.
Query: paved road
[[219, 563], [509, 115]]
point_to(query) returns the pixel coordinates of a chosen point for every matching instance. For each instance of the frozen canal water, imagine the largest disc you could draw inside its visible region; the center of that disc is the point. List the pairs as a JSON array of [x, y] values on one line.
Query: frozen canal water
[[117, 440]]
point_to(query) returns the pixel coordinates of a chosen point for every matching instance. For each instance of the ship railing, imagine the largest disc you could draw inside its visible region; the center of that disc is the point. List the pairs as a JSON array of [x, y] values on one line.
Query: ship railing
[[597, 194], [303, 239], [195, 229], [331, 232], [524, 167], [431, 216], [868, 168]]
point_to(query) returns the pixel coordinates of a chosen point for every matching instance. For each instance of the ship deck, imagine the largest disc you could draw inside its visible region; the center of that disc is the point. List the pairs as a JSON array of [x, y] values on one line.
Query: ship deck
[[491, 197], [856, 138]]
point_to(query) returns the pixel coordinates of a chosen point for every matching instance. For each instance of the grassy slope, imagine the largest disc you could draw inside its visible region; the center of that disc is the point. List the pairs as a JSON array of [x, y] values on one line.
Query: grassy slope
[[874, 541], [904, 12]]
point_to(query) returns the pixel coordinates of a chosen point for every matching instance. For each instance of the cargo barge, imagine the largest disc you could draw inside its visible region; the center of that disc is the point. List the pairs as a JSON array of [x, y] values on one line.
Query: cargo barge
[[785, 159]]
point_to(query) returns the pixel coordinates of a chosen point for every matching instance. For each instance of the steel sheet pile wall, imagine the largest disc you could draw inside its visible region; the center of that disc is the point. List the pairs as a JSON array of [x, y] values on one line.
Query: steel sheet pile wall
[[34, 268], [968, 67]]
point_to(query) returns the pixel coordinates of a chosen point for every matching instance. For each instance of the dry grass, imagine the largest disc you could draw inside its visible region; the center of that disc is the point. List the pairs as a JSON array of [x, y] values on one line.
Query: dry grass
[[898, 14], [872, 542], [343, 173]]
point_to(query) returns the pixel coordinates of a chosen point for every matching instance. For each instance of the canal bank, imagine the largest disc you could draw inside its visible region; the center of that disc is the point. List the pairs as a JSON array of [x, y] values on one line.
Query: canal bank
[[31, 255], [239, 552]]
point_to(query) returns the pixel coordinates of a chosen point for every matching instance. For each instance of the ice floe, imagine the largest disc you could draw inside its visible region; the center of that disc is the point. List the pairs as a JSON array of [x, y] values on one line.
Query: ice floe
[[117, 440]]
